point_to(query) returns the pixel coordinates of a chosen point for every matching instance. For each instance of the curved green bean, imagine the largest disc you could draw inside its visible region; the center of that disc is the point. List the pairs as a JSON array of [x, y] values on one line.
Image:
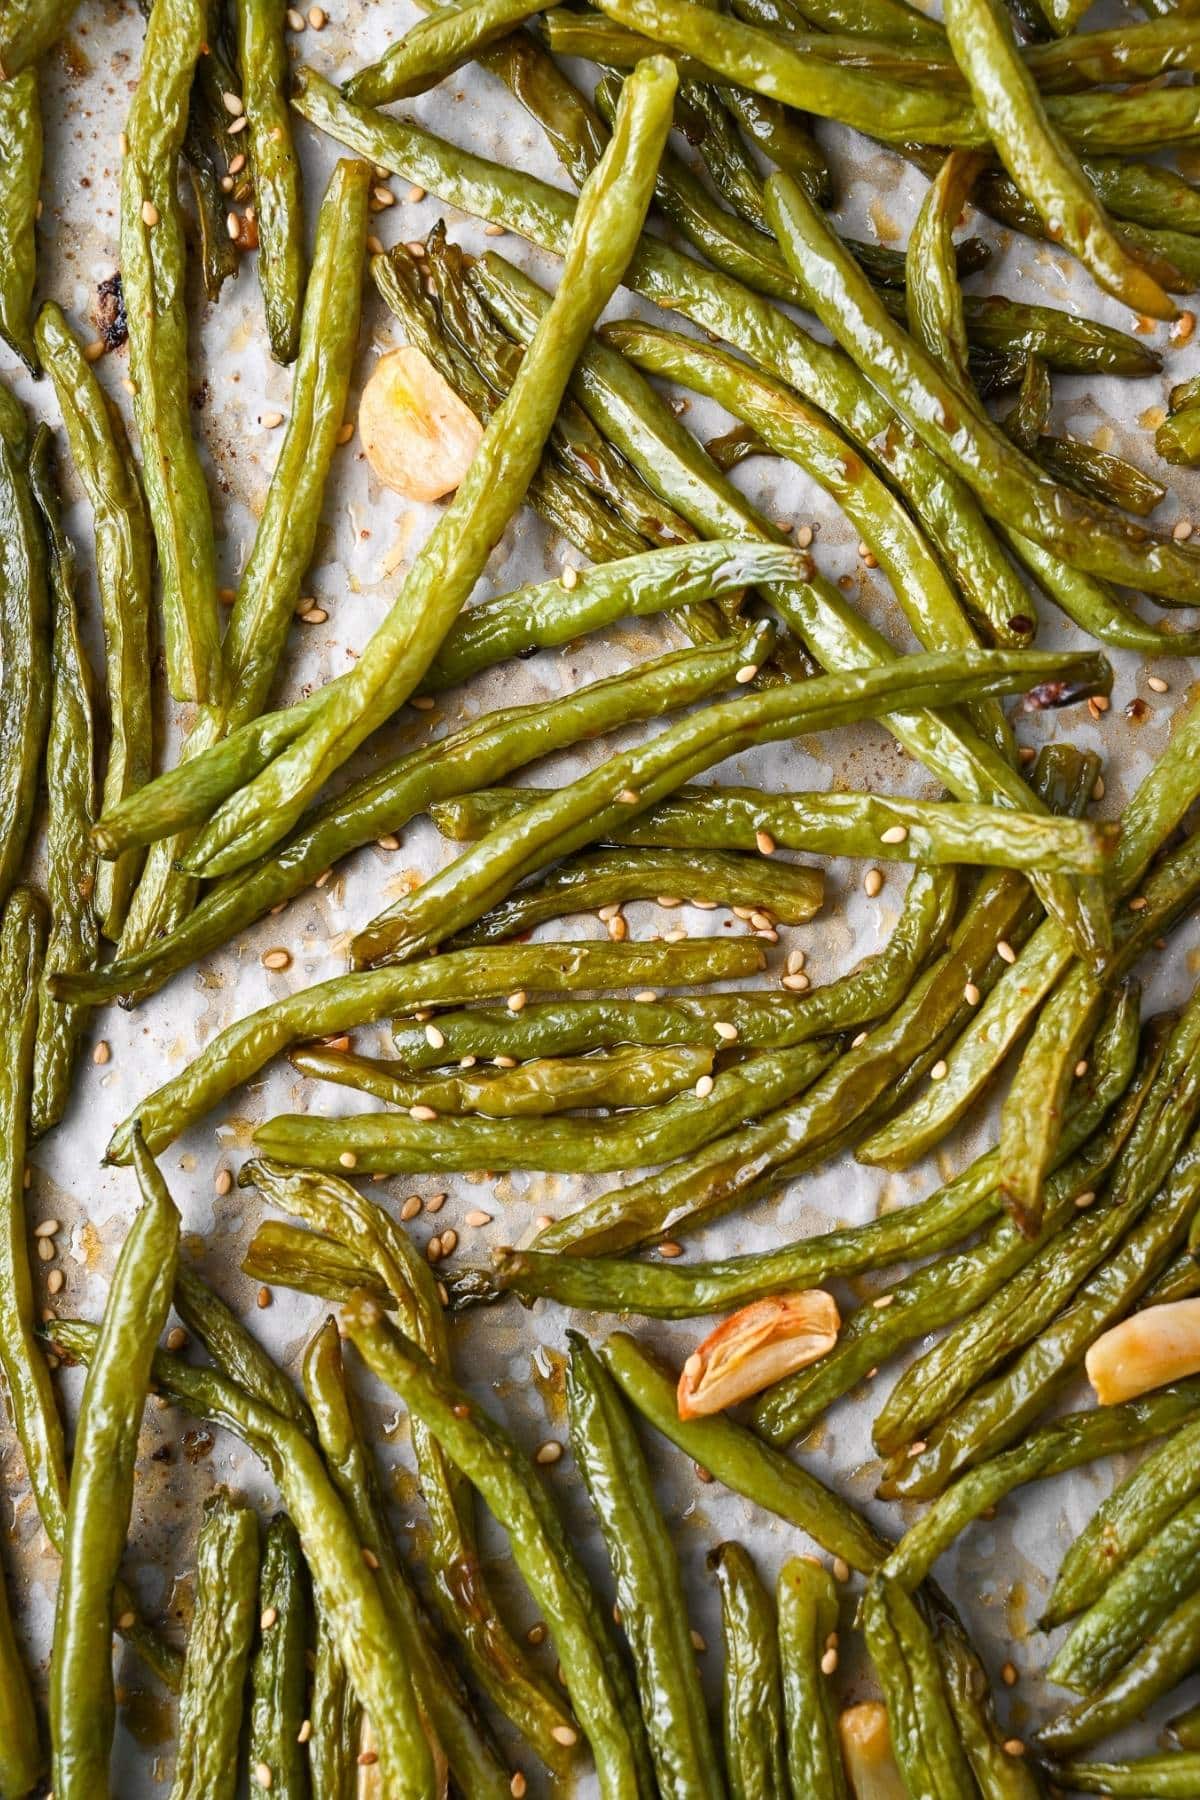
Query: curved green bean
[[755, 1760], [884, 827], [433, 48], [22, 1759], [1162, 1660], [121, 533], [153, 261], [593, 1672], [807, 1598], [235, 1351], [82, 1700], [621, 1077], [20, 179], [333, 1713], [924, 1735], [70, 862], [218, 1652], [25, 642], [999, 1774], [649, 1587], [1172, 1777]]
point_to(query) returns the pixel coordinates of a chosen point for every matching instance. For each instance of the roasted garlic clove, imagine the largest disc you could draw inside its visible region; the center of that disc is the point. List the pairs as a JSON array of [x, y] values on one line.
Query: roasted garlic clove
[[418, 435], [759, 1345], [1152, 1348], [866, 1741]]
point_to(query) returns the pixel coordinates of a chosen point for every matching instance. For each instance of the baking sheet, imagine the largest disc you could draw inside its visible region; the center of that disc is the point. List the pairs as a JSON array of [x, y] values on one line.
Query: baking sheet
[[510, 1358]]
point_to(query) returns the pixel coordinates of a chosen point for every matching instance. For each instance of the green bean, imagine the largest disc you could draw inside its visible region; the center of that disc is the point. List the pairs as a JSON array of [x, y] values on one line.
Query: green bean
[[218, 1652], [30, 28], [649, 1586], [1150, 1777], [949, 1289], [438, 44], [278, 1674], [998, 1774], [22, 1760], [1098, 474], [105, 466], [235, 1351], [734, 1456], [611, 211], [594, 1676], [755, 1762], [935, 832], [1030, 1278], [1067, 1443], [396, 1144], [1123, 1524], [551, 613], [761, 1021], [345, 1590], [925, 1739], [631, 782], [30, 1392], [152, 269], [1137, 1600], [934, 308], [888, 19], [20, 179], [459, 1586], [788, 892], [1162, 1660], [1177, 439], [25, 642], [837, 1109], [284, 1255], [808, 1618], [473, 1762], [334, 1713], [544, 1085], [1013, 489], [1097, 608], [1000, 1410], [278, 201], [1184, 1730], [265, 603], [490, 746], [1038, 160], [70, 862], [82, 1702]]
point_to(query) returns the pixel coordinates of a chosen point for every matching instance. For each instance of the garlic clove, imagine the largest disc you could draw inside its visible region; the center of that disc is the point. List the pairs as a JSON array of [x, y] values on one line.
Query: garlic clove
[[756, 1347], [418, 435], [1152, 1348]]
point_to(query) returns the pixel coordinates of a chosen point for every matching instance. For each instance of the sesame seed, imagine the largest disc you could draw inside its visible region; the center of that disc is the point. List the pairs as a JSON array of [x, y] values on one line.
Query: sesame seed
[[493, 231], [263, 1298], [1139, 903], [1181, 331], [305, 1732], [101, 1053], [277, 959], [1005, 951], [939, 1070], [55, 1281], [505, 1062], [971, 994], [796, 983], [618, 930], [917, 1447], [449, 1241], [565, 1734], [313, 615], [476, 1218], [94, 351], [467, 1062], [45, 1250], [549, 1452], [746, 674], [895, 834], [629, 796], [1157, 685], [841, 1569], [765, 842], [670, 1250], [411, 1207], [761, 921], [367, 1759], [423, 1114], [383, 197], [1083, 1201], [804, 536], [1008, 1675], [1081, 1068], [725, 1031], [126, 1621], [704, 1087], [698, 1642], [269, 1617], [647, 996], [676, 936], [543, 1222], [1027, 753], [518, 1001], [389, 841], [1014, 1746], [150, 214], [47, 1229], [796, 960], [370, 1558], [270, 420], [434, 1038], [176, 1338], [317, 18], [415, 195], [262, 1775], [239, 125], [536, 1634], [569, 577], [884, 1300], [857, 1042], [345, 432], [829, 1662], [1182, 531], [517, 1786], [233, 104], [348, 1159], [872, 883]]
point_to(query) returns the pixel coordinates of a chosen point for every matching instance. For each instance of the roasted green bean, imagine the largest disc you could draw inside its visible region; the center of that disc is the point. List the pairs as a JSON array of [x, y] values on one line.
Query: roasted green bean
[[1177, 439], [70, 862], [755, 1759], [25, 642], [436, 46], [924, 1736], [20, 179], [105, 466], [152, 270], [649, 1587], [594, 1675], [235, 1351], [742, 1461], [807, 1598], [621, 1077], [334, 1713], [1172, 1777], [278, 201], [999, 1774], [1162, 1660], [82, 1701], [278, 1673], [218, 1652]]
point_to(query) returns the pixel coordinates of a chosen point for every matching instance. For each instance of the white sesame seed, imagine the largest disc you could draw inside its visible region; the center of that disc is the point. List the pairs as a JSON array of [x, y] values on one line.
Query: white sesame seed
[[383, 196], [101, 1053], [239, 125], [1014, 1746], [411, 1207], [1084, 1200], [856, 1043], [841, 1569], [176, 1338], [804, 536], [476, 1218], [233, 225], [370, 1558], [564, 1734], [549, 1452], [765, 843], [434, 1038], [872, 883], [45, 1250], [829, 1662], [55, 1281], [149, 213], [647, 996], [423, 1114], [704, 1087], [270, 420], [569, 577], [971, 994], [895, 834], [317, 18], [1081, 1068], [270, 1616], [1157, 685], [517, 1002], [295, 19], [1005, 951], [517, 1786], [884, 1300], [629, 796], [233, 104], [47, 1229], [1008, 1675], [449, 1241], [1182, 531], [670, 1249], [415, 195], [262, 1775], [277, 959], [939, 1070], [348, 1159], [725, 1031], [305, 1732], [222, 1182], [746, 674], [94, 351], [493, 231]]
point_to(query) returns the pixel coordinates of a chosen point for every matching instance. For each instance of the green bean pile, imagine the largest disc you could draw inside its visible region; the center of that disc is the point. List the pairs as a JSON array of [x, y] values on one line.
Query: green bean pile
[[321, 1653]]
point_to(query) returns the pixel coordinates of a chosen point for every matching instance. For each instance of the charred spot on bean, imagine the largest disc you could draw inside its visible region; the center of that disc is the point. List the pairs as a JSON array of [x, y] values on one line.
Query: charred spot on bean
[[110, 312]]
